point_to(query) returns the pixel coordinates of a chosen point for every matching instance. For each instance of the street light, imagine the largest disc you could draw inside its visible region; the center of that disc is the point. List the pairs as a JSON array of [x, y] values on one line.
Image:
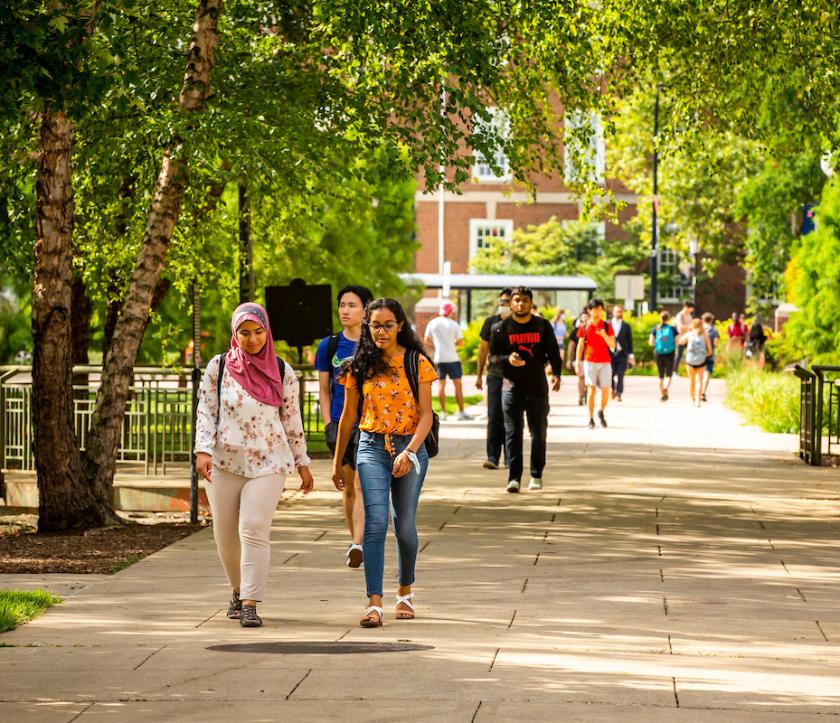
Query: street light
[[694, 249], [654, 231]]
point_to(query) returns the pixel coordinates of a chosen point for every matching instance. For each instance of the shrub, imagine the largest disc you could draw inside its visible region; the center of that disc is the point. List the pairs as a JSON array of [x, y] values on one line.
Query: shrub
[[468, 351], [769, 400]]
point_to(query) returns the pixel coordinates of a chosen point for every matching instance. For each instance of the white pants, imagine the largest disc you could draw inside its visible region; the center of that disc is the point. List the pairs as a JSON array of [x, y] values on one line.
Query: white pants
[[242, 512]]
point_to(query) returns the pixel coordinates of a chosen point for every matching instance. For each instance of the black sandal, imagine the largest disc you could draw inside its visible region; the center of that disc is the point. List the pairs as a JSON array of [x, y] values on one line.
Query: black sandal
[[234, 607], [248, 618]]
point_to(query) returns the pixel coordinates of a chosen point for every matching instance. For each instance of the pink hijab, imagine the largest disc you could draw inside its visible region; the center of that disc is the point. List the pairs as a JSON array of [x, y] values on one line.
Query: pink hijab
[[256, 373]]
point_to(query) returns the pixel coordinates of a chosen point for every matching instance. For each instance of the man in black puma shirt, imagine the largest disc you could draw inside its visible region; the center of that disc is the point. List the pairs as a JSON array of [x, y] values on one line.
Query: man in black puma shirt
[[522, 345]]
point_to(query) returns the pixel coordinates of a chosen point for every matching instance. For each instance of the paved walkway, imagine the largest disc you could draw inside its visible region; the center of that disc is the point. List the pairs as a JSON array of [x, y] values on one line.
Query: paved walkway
[[678, 566]]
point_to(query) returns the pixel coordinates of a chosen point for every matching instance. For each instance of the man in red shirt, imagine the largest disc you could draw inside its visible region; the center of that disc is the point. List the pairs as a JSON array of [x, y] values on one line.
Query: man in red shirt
[[596, 353]]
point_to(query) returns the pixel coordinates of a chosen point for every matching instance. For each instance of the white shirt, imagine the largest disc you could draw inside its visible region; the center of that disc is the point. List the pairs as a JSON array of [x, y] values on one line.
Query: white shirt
[[683, 320], [444, 333], [250, 438], [616, 325]]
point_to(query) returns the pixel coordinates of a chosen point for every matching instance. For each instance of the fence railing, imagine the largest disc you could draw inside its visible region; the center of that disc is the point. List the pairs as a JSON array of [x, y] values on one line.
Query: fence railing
[[819, 412], [157, 426]]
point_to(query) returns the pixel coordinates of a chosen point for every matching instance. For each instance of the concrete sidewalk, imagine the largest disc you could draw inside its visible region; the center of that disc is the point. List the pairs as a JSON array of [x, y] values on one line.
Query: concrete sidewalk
[[678, 566]]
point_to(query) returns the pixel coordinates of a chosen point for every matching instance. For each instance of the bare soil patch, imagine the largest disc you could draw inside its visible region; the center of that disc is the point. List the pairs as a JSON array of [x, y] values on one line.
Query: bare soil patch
[[104, 550]]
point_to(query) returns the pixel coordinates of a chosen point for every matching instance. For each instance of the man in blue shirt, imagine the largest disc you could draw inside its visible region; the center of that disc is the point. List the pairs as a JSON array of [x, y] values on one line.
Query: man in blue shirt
[[332, 352]]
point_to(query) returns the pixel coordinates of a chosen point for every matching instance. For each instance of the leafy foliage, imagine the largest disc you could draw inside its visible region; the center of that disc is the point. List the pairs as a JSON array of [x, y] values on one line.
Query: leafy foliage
[[558, 248], [815, 329]]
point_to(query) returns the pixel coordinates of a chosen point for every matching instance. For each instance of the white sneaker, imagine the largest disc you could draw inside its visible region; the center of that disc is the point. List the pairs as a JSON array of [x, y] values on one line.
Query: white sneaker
[[464, 417], [513, 485], [442, 416], [535, 483]]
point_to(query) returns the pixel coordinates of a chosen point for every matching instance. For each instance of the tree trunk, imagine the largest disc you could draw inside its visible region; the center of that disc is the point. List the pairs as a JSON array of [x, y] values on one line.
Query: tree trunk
[[65, 499], [113, 395]]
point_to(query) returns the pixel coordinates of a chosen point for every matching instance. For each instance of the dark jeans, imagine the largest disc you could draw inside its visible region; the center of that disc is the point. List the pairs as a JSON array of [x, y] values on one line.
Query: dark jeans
[[619, 369], [533, 407], [678, 358], [495, 420]]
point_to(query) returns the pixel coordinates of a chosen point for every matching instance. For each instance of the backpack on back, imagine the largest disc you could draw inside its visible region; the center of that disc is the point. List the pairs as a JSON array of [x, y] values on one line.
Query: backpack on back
[[664, 341], [412, 373]]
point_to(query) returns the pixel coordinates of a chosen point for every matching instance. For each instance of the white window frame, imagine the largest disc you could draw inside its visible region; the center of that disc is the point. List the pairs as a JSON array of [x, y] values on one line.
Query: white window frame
[[668, 263], [594, 156], [503, 225], [482, 172]]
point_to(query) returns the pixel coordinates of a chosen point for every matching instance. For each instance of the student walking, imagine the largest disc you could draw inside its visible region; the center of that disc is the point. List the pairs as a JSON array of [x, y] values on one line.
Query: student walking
[[495, 375], [736, 333], [596, 344], [332, 352], [698, 349], [663, 339], [682, 321], [249, 437], [571, 355], [522, 345], [714, 338], [622, 357], [392, 458], [558, 323], [445, 335], [756, 339]]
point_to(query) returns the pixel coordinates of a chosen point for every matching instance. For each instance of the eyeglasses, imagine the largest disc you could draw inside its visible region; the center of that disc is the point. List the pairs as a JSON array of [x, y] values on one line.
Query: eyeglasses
[[389, 326]]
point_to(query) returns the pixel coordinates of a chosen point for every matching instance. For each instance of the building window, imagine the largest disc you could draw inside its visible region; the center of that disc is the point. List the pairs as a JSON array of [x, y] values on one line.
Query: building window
[[585, 151], [673, 276], [497, 129], [482, 231]]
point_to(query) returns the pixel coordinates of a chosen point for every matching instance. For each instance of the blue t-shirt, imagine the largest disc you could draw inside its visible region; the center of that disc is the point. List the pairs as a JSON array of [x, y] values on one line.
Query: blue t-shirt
[[344, 351]]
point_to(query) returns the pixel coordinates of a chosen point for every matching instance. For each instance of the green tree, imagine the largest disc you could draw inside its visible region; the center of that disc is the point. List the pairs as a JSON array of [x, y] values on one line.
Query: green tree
[[559, 248], [816, 284]]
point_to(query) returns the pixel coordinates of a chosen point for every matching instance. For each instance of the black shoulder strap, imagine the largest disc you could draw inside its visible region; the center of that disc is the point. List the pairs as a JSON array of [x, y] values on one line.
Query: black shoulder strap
[[411, 362], [332, 348]]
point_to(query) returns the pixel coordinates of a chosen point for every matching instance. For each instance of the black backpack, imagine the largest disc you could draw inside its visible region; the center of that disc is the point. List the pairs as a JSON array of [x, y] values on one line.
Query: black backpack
[[281, 365], [412, 373]]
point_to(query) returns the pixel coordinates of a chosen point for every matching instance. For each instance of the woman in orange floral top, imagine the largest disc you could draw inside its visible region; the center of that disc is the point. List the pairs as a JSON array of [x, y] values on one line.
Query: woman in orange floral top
[[392, 459]]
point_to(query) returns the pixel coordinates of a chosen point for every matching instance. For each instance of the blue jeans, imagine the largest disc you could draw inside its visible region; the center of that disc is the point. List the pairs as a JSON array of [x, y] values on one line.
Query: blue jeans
[[518, 406], [379, 486]]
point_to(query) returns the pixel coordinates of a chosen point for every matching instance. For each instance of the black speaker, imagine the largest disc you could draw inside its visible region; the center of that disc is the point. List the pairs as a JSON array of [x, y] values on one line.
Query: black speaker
[[299, 314]]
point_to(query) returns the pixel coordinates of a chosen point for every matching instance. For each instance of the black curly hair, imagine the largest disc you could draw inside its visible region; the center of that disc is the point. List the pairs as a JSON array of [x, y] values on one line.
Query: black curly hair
[[368, 361]]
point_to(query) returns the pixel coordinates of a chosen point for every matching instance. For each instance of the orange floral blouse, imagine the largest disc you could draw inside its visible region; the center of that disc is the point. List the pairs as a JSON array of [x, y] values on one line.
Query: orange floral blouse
[[389, 406]]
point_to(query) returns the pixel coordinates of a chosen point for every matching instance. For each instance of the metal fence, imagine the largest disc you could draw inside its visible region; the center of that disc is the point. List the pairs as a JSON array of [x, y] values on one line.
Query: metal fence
[[819, 412], [157, 427]]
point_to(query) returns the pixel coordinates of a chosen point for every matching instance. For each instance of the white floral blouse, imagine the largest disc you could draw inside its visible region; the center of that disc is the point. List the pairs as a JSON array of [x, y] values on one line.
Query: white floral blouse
[[251, 438]]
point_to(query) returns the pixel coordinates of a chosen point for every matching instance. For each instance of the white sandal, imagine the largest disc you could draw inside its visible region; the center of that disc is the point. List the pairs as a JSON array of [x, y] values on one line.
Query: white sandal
[[365, 623], [406, 600], [354, 556]]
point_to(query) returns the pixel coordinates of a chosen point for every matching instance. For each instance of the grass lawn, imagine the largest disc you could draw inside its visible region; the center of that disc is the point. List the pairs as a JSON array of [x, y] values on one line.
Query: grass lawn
[[20, 606], [452, 405]]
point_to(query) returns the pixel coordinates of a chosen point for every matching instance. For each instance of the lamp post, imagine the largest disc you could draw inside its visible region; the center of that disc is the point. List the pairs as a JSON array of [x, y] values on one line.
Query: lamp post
[[694, 248], [654, 229]]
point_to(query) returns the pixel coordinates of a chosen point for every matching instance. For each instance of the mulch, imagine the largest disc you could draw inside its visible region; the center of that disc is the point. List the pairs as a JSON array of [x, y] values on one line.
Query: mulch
[[104, 550]]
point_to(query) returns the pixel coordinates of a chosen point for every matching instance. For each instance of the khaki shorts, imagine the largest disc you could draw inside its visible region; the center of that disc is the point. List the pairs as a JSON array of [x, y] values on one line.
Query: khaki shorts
[[597, 374]]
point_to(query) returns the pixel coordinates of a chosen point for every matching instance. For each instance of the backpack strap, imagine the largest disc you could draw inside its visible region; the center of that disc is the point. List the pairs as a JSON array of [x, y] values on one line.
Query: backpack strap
[[412, 373], [332, 348]]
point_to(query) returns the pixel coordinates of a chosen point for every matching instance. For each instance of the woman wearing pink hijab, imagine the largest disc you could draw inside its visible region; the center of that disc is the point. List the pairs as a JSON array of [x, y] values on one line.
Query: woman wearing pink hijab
[[249, 437]]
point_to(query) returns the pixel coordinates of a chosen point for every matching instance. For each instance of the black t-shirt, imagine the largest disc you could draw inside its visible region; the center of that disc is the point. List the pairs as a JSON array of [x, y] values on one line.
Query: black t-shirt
[[493, 370], [535, 343]]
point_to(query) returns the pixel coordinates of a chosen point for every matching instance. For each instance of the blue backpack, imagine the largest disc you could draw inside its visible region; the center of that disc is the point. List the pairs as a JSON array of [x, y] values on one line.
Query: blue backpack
[[664, 339]]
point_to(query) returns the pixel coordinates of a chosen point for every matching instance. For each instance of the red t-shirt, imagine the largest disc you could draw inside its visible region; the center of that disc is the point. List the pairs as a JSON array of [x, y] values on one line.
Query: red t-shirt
[[596, 350]]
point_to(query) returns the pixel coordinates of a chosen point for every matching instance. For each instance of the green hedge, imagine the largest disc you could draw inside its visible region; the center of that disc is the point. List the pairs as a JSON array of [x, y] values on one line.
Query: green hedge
[[769, 400]]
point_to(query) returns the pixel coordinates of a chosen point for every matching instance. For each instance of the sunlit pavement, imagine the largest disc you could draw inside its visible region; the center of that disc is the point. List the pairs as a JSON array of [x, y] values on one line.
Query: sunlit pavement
[[678, 565]]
